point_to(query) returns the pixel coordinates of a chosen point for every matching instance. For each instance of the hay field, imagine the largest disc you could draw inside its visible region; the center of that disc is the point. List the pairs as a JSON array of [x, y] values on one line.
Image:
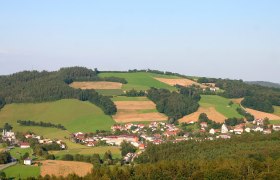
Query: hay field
[[131, 109], [211, 112], [96, 85], [262, 115], [64, 168], [181, 82]]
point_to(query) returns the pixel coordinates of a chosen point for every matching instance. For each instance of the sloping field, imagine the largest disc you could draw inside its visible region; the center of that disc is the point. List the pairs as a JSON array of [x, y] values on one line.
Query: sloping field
[[181, 82], [134, 116], [262, 115], [140, 80], [84, 150], [210, 111], [73, 114], [220, 104], [277, 110], [135, 105], [96, 85], [22, 172], [64, 168], [132, 109]]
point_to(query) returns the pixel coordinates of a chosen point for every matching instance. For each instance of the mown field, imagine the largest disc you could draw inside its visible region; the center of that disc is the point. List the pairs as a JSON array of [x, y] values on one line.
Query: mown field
[[88, 151], [220, 104], [277, 110], [19, 152], [22, 171], [140, 80], [73, 114]]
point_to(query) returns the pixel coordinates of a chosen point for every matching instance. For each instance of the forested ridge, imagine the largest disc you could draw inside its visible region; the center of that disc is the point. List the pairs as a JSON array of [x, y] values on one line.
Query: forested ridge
[[34, 86], [255, 96]]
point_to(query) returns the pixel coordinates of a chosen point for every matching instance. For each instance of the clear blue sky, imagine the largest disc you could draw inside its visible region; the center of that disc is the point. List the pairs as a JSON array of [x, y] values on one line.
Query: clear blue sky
[[217, 38]]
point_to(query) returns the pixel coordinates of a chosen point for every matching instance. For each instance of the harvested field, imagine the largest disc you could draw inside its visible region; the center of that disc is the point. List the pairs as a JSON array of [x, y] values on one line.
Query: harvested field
[[96, 85], [182, 82], [64, 168], [211, 112], [237, 100], [134, 105], [134, 116], [136, 111], [262, 115]]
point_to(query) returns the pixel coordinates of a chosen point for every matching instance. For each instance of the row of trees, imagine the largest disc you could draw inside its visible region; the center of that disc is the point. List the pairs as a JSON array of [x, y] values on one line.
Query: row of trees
[[211, 124], [41, 124], [135, 93], [5, 157], [234, 121], [2, 102], [249, 117], [173, 104], [34, 86]]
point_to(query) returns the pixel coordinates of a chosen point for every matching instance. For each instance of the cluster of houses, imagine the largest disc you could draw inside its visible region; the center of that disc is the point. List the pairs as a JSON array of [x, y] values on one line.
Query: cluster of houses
[[136, 134], [226, 132]]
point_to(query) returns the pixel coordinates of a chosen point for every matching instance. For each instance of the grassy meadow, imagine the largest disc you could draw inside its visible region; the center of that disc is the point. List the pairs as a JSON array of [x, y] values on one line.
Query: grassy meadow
[[73, 114], [18, 152], [89, 151], [221, 105], [22, 171], [140, 80]]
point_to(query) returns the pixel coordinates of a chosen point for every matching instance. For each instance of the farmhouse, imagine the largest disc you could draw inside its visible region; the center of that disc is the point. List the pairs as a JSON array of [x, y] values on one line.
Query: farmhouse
[[276, 127], [238, 130], [27, 162], [203, 125], [24, 145], [212, 131], [8, 135]]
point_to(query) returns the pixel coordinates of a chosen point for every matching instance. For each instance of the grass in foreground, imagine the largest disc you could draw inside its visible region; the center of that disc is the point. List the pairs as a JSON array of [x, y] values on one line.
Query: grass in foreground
[[140, 80], [221, 105], [22, 171]]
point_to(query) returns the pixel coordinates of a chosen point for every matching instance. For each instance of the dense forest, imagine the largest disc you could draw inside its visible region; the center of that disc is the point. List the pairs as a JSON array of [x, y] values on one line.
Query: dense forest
[[34, 86], [175, 105], [255, 96]]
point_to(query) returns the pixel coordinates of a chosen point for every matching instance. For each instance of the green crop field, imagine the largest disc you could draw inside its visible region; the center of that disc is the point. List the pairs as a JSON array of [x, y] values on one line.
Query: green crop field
[[19, 152], [22, 171], [221, 105], [125, 98], [89, 151], [141, 80], [73, 114], [110, 92], [277, 110]]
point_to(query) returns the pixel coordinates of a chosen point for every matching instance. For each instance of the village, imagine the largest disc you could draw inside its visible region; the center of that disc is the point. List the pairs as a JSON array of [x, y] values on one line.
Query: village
[[141, 135]]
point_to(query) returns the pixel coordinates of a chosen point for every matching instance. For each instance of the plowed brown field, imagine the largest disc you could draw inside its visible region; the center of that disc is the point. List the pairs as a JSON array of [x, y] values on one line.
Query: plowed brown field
[[96, 85]]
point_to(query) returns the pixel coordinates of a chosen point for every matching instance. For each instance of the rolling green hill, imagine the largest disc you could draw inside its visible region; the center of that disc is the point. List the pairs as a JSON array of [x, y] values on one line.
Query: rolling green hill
[[140, 80], [221, 105], [73, 114]]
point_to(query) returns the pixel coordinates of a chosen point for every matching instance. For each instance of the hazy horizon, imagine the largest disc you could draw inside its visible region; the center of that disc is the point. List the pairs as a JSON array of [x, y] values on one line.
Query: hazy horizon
[[222, 39]]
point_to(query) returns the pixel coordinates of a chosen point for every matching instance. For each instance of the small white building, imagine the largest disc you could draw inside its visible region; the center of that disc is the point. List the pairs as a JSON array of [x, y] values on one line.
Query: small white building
[[27, 162], [247, 130], [224, 129], [276, 127], [212, 131]]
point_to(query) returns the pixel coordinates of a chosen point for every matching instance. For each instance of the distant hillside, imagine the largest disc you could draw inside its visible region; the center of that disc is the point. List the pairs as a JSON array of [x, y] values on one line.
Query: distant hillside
[[264, 83]]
